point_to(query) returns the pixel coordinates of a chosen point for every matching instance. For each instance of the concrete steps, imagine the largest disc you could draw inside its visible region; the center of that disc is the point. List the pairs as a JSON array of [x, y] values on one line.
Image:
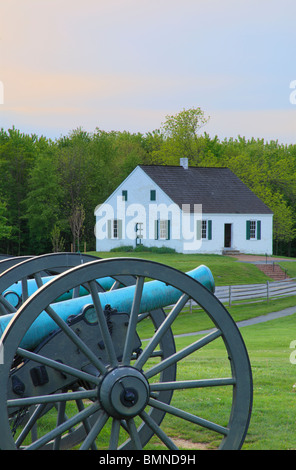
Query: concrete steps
[[230, 252]]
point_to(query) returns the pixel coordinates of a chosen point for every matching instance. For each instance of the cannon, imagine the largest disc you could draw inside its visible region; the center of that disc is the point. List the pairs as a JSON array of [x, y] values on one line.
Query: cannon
[[106, 370], [22, 276]]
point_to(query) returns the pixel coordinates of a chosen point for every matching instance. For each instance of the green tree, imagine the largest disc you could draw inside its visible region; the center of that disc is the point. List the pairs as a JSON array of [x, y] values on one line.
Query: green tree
[[42, 182], [181, 134], [58, 242], [17, 157], [268, 169], [76, 220], [5, 229], [44, 200]]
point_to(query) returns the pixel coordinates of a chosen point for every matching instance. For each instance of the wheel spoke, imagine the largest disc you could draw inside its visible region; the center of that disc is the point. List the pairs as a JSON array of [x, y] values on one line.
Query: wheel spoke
[[86, 424], [60, 420], [158, 431], [103, 324], [184, 384], [161, 331], [75, 292], [58, 366], [115, 286], [25, 294], [53, 398], [188, 416], [114, 436], [183, 353], [128, 347], [142, 316], [79, 417], [3, 309], [30, 424], [76, 340], [10, 308], [96, 429], [38, 279], [132, 429]]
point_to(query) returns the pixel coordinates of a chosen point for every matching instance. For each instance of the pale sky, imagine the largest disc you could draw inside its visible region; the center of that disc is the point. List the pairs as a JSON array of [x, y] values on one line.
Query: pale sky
[[126, 64]]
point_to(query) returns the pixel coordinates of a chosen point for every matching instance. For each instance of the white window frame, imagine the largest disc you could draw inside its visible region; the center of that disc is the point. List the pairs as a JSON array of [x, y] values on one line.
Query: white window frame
[[204, 229], [163, 230], [253, 229], [115, 229]]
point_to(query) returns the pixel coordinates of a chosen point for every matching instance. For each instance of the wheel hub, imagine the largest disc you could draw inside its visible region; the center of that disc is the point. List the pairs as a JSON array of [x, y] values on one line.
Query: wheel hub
[[124, 392]]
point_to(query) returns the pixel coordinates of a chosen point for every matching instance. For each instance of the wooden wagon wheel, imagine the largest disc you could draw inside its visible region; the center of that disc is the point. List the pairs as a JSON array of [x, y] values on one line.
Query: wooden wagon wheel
[[22, 276]]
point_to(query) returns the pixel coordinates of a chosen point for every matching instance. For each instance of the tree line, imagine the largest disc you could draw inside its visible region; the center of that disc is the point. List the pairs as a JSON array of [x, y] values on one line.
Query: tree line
[[50, 189]]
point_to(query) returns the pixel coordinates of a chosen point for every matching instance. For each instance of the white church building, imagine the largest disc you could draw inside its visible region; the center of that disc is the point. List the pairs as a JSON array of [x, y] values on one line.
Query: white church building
[[189, 209]]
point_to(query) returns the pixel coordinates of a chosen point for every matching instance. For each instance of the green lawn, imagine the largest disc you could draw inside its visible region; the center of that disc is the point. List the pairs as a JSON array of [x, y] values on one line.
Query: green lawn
[[273, 421], [226, 270], [290, 267], [272, 425]]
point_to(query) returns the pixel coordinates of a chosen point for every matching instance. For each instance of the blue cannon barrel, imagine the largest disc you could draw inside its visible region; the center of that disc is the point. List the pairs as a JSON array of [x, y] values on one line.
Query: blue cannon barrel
[[156, 294], [14, 292]]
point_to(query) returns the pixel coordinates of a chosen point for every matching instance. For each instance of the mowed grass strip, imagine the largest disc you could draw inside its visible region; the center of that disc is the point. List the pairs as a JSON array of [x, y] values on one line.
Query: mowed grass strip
[[226, 270]]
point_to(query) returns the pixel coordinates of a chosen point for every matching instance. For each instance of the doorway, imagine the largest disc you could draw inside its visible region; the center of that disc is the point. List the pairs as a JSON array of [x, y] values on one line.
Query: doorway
[[227, 235]]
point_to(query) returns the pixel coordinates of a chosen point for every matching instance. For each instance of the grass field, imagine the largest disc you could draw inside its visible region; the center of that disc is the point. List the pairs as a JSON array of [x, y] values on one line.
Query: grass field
[[226, 270], [273, 421], [274, 410]]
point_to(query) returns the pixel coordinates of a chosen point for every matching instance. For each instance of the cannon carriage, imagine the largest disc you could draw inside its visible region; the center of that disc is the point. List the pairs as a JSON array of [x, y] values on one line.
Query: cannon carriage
[[91, 360]]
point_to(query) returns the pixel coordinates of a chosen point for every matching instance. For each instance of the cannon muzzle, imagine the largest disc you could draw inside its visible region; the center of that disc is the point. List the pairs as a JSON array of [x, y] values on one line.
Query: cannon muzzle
[[156, 294]]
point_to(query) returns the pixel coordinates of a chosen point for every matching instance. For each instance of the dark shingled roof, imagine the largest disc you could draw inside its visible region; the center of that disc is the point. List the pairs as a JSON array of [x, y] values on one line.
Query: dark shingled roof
[[217, 189]]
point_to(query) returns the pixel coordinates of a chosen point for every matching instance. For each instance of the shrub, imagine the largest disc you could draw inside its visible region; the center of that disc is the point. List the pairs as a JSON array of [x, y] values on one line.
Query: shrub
[[126, 249], [142, 248]]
